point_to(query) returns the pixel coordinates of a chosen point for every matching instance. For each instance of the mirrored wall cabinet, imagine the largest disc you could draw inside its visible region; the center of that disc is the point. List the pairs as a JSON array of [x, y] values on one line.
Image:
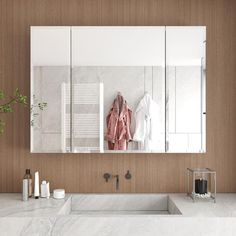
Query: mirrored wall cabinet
[[118, 89]]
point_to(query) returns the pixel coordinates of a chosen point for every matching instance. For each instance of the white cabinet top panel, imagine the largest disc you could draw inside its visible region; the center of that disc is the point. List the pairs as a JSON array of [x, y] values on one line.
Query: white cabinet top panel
[[118, 46], [185, 45], [50, 45]]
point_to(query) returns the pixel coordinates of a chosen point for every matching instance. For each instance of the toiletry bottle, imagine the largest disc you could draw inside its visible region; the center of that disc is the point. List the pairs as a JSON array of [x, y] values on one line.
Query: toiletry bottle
[[28, 176], [48, 190], [36, 185], [44, 189], [25, 190]]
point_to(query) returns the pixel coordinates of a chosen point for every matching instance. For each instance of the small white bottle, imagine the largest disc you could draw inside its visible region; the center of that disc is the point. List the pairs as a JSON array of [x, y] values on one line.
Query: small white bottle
[[36, 185], [45, 192]]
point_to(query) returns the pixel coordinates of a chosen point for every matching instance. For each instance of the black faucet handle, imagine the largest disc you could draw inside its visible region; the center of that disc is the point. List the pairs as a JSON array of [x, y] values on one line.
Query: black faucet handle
[[107, 176], [128, 175]]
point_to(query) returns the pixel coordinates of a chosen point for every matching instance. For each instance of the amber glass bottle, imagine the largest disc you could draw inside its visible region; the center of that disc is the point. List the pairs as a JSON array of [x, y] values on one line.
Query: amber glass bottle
[[28, 176]]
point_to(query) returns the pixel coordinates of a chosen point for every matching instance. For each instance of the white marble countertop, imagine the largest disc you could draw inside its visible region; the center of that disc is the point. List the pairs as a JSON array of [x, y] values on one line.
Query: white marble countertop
[[11, 205], [51, 217], [225, 205]]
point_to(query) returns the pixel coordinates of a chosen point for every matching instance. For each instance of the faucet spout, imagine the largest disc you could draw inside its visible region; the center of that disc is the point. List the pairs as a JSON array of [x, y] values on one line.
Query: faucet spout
[[117, 181]]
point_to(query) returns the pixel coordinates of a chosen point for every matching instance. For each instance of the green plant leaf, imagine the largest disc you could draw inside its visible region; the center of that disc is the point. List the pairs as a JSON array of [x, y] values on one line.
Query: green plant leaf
[[2, 95], [6, 108], [17, 92], [2, 125]]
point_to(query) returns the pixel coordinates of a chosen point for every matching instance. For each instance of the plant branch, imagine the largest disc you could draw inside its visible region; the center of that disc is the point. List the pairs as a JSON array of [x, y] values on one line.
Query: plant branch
[[7, 106], [8, 103]]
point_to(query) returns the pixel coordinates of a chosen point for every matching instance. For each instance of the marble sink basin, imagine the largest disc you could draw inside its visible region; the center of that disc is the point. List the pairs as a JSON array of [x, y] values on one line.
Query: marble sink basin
[[122, 204]]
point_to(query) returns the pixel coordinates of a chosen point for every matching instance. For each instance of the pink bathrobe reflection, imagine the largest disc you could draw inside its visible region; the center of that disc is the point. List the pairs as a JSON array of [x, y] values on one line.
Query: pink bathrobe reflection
[[118, 125]]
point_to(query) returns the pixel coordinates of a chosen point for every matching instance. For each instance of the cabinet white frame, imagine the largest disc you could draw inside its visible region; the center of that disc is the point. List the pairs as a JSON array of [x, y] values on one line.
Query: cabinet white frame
[[75, 46]]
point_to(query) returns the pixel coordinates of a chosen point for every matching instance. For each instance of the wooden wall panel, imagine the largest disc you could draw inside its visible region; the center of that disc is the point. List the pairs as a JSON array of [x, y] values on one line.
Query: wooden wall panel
[[151, 172]]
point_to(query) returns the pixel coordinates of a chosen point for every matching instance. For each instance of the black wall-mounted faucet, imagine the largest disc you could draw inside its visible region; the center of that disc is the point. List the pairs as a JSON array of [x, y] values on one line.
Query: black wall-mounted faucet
[[108, 176]]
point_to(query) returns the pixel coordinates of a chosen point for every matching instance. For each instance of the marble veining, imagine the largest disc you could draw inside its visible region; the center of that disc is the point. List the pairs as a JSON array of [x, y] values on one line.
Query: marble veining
[[143, 226], [11, 205]]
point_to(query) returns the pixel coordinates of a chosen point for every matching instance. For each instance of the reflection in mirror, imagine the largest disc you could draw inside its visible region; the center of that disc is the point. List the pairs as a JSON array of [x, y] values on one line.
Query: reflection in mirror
[[119, 73], [185, 91], [112, 105], [50, 126]]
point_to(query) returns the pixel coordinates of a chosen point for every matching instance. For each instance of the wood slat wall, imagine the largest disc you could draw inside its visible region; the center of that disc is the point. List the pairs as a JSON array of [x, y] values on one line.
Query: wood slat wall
[[151, 172]]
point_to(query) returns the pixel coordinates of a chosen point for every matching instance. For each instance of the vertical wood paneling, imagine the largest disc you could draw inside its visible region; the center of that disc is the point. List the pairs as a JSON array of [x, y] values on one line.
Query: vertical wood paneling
[[150, 172]]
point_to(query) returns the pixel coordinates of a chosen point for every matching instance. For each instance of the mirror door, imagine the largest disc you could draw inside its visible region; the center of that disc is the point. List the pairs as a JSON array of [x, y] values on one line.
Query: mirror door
[[124, 65], [50, 90], [185, 89]]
